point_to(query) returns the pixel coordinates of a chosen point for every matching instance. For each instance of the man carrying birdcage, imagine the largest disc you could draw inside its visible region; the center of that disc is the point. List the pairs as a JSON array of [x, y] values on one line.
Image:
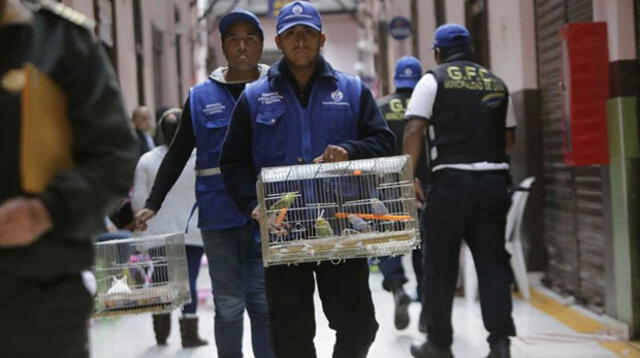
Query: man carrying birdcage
[[305, 111], [229, 238]]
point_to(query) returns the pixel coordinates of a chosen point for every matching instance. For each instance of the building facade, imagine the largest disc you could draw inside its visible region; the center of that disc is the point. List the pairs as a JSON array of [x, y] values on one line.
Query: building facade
[[153, 45]]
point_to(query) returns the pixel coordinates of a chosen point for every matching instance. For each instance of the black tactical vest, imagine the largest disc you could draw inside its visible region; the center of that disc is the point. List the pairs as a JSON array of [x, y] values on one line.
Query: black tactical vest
[[393, 108], [469, 114]]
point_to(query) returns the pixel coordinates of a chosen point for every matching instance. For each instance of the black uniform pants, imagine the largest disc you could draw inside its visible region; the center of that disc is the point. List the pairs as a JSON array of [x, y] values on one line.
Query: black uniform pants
[[346, 302], [41, 319], [470, 205]]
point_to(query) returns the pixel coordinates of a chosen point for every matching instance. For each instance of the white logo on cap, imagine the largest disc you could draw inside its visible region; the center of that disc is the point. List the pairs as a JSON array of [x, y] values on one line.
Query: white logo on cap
[[297, 10], [337, 95], [408, 71]]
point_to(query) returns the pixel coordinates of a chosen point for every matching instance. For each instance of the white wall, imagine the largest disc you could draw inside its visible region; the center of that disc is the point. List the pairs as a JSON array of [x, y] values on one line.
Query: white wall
[[340, 49], [397, 48], [127, 71], [512, 42], [83, 6], [426, 28], [620, 26], [454, 11]]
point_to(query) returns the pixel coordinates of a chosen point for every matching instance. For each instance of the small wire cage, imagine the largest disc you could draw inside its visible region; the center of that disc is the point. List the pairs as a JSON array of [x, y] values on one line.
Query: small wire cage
[[337, 211], [138, 275]]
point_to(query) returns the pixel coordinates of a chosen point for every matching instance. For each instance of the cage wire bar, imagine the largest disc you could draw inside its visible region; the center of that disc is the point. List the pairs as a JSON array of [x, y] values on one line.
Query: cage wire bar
[[337, 211], [139, 275]]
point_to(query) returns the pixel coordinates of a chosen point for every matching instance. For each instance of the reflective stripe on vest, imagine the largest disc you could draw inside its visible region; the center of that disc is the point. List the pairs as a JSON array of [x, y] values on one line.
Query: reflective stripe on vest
[[207, 172]]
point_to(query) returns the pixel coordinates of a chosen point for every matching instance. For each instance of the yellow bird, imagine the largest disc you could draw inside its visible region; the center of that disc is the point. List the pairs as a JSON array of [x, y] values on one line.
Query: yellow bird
[[284, 202], [322, 226]]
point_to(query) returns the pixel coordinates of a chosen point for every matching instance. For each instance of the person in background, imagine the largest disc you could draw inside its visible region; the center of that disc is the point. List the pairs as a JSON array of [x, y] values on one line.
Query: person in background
[[176, 217], [158, 114], [45, 237], [144, 125], [393, 106], [229, 237], [334, 117], [466, 111]]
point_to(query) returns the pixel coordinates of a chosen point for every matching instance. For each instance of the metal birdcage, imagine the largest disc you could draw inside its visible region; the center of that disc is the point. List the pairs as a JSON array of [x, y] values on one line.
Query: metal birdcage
[[336, 211], [137, 275]]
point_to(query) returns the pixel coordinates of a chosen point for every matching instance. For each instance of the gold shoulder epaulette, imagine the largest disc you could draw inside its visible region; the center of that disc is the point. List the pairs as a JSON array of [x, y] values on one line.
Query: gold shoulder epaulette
[[67, 13]]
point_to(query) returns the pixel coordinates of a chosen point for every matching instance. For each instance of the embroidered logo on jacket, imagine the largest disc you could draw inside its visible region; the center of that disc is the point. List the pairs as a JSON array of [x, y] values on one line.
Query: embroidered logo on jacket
[[270, 97], [336, 99], [213, 108], [337, 95]]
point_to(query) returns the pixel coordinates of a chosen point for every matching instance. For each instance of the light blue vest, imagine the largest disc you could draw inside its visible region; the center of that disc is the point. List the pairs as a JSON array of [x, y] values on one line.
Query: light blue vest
[[211, 105]]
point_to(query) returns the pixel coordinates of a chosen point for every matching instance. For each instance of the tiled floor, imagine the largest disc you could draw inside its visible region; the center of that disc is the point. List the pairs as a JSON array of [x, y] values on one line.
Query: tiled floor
[[539, 335]]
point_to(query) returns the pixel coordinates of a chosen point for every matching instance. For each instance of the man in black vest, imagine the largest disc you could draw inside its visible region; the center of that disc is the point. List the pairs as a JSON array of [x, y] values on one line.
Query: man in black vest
[[465, 109], [46, 236], [393, 107]]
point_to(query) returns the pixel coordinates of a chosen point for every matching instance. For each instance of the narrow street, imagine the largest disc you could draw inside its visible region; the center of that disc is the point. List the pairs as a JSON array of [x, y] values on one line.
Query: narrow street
[[539, 335]]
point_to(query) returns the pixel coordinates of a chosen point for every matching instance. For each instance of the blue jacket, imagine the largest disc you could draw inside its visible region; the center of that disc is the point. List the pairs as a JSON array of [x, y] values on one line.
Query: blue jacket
[[211, 105], [271, 126]]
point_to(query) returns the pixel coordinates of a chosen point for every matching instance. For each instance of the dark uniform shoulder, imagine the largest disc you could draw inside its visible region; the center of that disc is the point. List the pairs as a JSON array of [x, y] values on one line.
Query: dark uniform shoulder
[[384, 100], [393, 96], [57, 9]]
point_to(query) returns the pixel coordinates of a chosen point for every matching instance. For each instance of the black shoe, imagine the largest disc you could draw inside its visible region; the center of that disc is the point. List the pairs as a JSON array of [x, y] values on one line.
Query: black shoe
[[500, 350], [401, 312], [429, 350]]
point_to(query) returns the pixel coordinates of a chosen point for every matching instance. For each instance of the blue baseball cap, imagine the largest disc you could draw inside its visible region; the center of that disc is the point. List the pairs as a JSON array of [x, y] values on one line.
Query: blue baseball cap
[[298, 13], [450, 35], [408, 72], [238, 15]]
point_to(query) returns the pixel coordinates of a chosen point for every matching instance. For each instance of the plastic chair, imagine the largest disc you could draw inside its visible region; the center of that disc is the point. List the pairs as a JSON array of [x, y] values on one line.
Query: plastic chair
[[513, 245]]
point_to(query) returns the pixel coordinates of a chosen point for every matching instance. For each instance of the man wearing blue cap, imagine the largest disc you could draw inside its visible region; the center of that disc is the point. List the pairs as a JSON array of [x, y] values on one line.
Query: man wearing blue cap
[[466, 111], [229, 237], [407, 74], [304, 111]]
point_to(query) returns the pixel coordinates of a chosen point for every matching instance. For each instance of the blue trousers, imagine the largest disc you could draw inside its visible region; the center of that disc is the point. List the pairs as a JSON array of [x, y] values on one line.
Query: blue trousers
[[237, 279], [393, 271], [194, 257]]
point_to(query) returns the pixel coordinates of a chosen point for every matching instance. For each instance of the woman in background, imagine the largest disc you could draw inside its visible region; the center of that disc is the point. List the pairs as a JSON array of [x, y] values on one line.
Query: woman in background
[[174, 217]]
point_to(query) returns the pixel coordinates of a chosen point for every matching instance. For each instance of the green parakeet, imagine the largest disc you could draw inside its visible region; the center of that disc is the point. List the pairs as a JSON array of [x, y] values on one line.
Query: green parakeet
[[323, 228], [284, 202]]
